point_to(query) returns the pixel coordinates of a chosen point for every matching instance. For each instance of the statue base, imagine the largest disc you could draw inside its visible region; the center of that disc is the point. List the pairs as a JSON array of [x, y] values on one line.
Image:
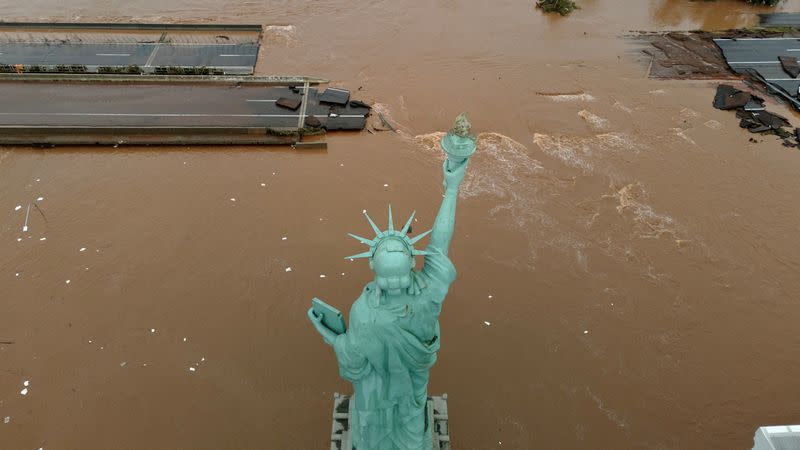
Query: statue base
[[436, 415]]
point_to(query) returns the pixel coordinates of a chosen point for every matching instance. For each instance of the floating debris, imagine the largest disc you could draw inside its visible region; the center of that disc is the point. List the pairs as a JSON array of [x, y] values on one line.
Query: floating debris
[[288, 269], [385, 185], [233, 199], [43, 239], [27, 214], [263, 184], [68, 281], [40, 199], [752, 114], [184, 339], [24, 391], [7, 419], [284, 238], [585, 331], [18, 207], [728, 97], [789, 65], [322, 276], [487, 323], [123, 363], [490, 296], [83, 249], [152, 330], [26, 383], [192, 369]]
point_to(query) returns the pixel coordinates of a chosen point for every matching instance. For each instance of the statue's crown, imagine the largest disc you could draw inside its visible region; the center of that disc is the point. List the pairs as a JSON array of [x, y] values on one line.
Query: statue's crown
[[390, 233]]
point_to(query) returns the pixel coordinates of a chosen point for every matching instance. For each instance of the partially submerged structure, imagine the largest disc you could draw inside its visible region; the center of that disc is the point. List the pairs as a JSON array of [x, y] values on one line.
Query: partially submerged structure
[[151, 84]]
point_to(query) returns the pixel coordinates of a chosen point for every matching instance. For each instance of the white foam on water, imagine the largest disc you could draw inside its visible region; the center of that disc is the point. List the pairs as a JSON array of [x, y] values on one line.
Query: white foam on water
[[503, 169], [681, 133], [571, 152], [584, 152], [285, 34], [622, 107], [631, 200], [594, 120], [582, 97]]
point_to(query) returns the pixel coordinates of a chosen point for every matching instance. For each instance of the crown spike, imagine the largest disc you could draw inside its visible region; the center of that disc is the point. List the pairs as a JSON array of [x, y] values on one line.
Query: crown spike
[[391, 222], [404, 231], [375, 228], [360, 255], [419, 237], [364, 241]]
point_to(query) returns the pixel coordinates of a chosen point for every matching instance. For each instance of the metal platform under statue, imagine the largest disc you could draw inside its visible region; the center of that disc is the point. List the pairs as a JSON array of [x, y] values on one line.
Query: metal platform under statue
[[436, 415]]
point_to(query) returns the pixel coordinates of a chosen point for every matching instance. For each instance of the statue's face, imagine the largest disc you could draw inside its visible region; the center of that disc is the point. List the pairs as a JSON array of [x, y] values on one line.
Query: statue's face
[[392, 264]]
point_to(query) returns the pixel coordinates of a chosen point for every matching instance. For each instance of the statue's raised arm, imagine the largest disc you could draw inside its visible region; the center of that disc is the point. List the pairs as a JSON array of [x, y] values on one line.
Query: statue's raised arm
[[459, 144]]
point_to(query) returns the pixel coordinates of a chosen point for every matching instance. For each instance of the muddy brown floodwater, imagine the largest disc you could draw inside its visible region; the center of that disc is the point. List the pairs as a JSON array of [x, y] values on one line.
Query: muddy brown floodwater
[[636, 257]]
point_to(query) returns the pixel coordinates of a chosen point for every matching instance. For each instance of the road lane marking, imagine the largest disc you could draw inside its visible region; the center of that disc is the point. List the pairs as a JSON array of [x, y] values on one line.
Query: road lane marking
[[755, 62], [257, 100], [111, 54], [230, 54]]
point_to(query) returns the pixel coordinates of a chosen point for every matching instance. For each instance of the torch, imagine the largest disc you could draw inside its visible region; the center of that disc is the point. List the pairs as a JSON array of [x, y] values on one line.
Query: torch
[[459, 143]]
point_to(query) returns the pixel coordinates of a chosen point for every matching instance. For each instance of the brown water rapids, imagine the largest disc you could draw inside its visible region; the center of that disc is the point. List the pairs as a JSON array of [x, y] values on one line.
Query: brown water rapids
[[628, 261]]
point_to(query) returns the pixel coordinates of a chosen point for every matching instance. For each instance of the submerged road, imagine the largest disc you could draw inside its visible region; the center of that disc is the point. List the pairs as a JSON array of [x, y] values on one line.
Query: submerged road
[[762, 54], [232, 58], [44, 105]]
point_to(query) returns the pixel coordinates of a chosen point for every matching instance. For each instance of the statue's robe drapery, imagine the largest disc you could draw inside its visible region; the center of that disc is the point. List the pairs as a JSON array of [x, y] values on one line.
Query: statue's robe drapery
[[387, 353]]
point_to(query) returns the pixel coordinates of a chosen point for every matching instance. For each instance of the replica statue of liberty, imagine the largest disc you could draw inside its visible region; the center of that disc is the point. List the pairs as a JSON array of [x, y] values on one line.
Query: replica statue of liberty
[[393, 334]]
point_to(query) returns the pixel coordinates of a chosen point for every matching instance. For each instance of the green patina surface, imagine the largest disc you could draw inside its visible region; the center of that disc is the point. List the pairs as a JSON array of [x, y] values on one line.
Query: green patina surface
[[393, 334]]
